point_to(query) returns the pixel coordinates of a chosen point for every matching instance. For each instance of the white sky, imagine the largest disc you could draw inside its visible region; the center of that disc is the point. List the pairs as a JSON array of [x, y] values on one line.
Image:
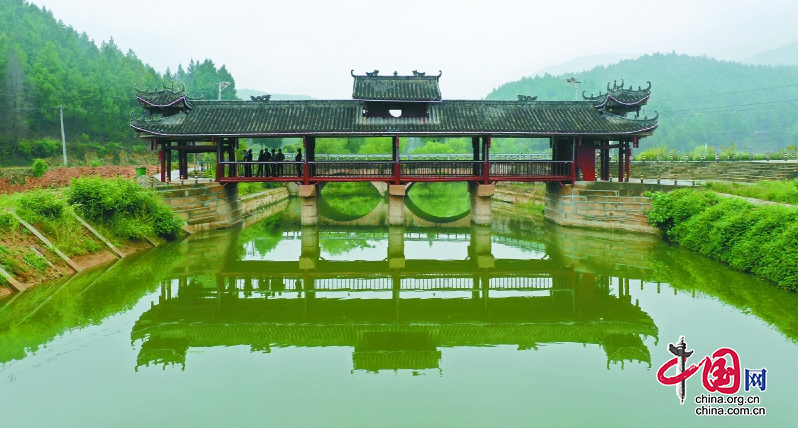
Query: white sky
[[309, 46]]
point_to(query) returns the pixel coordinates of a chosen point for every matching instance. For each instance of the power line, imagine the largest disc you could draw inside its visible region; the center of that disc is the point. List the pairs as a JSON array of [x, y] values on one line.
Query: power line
[[729, 93], [731, 106]]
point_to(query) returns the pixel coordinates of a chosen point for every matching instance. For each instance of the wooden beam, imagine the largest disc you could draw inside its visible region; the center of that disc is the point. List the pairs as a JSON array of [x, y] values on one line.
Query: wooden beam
[[16, 285], [100, 237], [47, 243]]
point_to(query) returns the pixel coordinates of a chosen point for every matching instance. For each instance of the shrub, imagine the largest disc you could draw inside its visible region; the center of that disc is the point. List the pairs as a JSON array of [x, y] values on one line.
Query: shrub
[[7, 222], [39, 148], [39, 168], [670, 209], [128, 209], [41, 204], [762, 240]]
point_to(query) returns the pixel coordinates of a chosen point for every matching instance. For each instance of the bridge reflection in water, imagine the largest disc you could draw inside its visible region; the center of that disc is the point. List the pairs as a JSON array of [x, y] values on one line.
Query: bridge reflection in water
[[396, 311]]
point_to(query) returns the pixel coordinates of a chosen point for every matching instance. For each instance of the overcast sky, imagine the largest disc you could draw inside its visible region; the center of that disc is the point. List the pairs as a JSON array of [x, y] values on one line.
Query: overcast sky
[[309, 46]]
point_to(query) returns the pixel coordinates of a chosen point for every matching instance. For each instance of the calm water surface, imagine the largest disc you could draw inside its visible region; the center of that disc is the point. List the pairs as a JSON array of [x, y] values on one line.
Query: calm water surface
[[352, 324]]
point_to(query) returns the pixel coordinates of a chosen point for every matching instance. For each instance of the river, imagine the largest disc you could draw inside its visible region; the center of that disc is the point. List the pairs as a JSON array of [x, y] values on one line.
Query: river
[[350, 323]]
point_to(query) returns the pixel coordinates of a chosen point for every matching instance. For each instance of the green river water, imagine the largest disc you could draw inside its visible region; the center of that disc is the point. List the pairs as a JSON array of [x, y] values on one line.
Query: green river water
[[352, 324]]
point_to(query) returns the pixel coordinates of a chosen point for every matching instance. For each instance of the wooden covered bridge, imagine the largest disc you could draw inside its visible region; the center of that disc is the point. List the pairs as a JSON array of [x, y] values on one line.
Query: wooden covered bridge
[[398, 106]]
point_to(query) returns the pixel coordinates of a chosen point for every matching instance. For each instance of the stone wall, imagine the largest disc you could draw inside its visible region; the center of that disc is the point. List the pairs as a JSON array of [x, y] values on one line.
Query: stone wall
[[742, 171], [601, 205], [214, 206]]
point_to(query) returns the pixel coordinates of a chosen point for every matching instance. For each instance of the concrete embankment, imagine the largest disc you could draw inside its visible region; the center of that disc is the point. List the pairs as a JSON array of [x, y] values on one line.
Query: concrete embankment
[[602, 205], [214, 206]]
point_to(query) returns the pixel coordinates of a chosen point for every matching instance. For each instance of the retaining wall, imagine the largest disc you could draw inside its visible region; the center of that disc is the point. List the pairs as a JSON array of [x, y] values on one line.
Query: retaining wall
[[741, 171], [214, 206], [601, 205]]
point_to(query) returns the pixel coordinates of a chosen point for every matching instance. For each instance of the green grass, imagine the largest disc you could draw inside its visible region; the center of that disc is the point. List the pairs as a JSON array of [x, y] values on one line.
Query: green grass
[[776, 191], [248, 188]]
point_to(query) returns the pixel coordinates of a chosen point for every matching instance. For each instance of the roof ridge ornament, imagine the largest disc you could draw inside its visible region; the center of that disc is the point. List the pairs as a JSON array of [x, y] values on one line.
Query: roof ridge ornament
[[527, 98], [417, 73], [262, 98], [373, 73]]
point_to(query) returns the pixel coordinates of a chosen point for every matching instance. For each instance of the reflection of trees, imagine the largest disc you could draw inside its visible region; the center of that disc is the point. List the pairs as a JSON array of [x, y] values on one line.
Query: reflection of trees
[[337, 247], [441, 199], [264, 235], [351, 199], [41, 313], [684, 271]]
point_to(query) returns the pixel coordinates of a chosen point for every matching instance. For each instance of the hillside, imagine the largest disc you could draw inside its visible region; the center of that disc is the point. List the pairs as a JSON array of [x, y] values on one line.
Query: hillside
[[700, 100], [45, 64]]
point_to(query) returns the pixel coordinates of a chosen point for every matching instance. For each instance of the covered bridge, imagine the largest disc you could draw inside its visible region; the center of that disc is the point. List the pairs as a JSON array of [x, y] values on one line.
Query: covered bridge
[[398, 106]]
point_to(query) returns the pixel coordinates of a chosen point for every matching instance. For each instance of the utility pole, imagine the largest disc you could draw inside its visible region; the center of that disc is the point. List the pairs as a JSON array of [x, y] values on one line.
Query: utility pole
[[63, 136], [573, 82], [222, 86]]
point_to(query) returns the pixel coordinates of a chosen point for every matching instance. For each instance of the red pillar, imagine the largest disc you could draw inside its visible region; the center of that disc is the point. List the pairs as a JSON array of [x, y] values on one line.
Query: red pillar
[[219, 158], [628, 160], [397, 169], [162, 157], [486, 158], [306, 166], [475, 149], [168, 153], [573, 160], [620, 161]]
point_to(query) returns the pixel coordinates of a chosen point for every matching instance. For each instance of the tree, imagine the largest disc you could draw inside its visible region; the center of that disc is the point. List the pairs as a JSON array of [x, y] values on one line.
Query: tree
[[14, 121]]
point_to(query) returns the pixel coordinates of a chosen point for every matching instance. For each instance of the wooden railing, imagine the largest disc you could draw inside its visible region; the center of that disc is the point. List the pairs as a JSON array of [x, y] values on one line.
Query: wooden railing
[[401, 172]]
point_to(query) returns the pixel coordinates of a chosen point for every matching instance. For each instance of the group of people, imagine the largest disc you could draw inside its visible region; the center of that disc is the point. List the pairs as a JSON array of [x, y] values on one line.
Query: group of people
[[270, 164]]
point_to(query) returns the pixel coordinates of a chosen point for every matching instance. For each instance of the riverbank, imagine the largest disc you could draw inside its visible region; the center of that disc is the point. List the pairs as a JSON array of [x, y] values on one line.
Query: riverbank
[[754, 238], [50, 233], [754, 235]]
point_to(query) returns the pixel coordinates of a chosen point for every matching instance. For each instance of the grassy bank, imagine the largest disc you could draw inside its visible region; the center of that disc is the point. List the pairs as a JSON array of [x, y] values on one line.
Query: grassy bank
[[120, 209], [760, 239], [775, 191]]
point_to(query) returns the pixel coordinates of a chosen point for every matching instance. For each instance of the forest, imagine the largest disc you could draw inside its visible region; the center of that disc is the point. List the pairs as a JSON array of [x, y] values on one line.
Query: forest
[[46, 65], [701, 101]]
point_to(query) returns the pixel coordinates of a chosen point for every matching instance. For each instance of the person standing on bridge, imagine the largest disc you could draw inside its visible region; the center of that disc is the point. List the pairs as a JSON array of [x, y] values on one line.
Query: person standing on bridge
[[274, 165], [267, 157], [298, 159], [248, 166], [261, 159], [280, 160]]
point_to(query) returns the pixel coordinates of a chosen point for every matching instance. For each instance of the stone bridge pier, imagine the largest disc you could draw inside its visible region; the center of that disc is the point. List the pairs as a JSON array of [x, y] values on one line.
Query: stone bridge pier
[[481, 198], [309, 204]]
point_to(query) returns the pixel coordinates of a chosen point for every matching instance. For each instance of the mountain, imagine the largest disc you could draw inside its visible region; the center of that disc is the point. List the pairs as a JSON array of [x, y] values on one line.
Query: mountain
[[584, 63], [244, 94], [700, 100], [784, 55]]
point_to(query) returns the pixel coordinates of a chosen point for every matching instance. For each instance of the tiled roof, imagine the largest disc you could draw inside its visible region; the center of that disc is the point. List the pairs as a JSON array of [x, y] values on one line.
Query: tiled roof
[[618, 96], [169, 100], [396, 88], [345, 117]]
